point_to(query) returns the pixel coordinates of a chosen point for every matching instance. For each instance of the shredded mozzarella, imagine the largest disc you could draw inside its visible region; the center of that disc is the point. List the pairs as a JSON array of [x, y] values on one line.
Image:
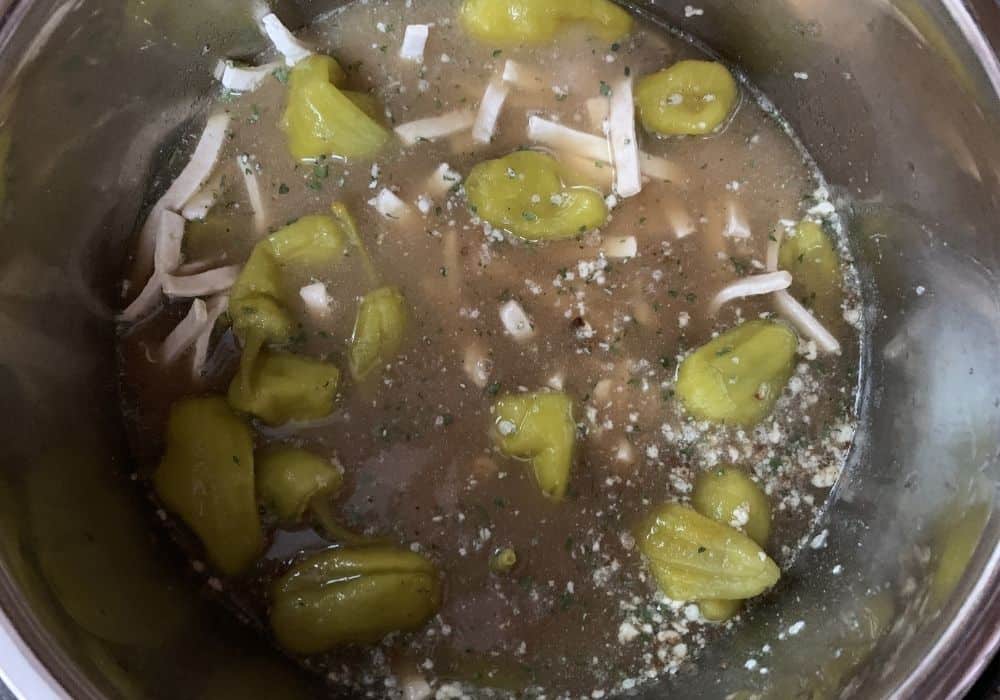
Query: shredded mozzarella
[[284, 41], [515, 321], [146, 301], [389, 205], [316, 298], [681, 222], [806, 322], [434, 128], [656, 168], [477, 365], [203, 284], [248, 169], [197, 208], [244, 78], [217, 306], [169, 239], [184, 335], [597, 173], [442, 180], [773, 248], [192, 178], [736, 225], [598, 110], [624, 144], [414, 41], [620, 247], [489, 112], [754, 285], [521, 76]]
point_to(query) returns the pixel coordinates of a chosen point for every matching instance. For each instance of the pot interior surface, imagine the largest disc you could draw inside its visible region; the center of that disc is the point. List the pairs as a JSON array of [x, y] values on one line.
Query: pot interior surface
[[900, 111]]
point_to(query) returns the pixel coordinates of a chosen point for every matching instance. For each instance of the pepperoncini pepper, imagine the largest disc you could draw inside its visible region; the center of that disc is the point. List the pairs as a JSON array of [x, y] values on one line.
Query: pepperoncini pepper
[[322, 120], [280, 387], [378, 331], [809, 255], [538, 21], [538, 428], [288, 478], [207, 478], [737, 377], [352, 595], [523, 193], [688, 98]]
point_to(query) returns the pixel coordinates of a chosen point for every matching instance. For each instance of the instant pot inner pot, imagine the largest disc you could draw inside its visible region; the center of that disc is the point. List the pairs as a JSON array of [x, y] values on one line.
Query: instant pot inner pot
[[899, 110]]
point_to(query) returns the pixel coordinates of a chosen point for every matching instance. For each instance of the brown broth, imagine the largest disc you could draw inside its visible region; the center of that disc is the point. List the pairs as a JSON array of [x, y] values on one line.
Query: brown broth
[[420, 466]]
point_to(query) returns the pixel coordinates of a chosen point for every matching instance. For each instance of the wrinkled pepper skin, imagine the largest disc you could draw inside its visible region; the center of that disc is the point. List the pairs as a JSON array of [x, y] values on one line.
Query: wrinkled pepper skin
[[690, 98], [728, 496], [322, 120], [207, 478], [288, 478], [352, 595], [538, 428], [507, 22], [280, 387], [737, 377], [695, 558], [524, 194], [379, 331]]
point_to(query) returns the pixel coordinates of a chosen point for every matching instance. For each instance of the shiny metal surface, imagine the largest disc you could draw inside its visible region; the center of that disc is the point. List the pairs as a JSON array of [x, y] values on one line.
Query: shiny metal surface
[[901, 112]]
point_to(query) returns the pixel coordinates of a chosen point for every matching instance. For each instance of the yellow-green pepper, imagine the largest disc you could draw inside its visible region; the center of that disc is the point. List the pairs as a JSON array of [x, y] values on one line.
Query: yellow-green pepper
[[352, 595], [737, 377], [539, 428], [378, 331], [695, 558], [688, 98], [321, 120], [719, 610], [957, 534], [809, 255], [288, 478], [207, 478], [507, 22], [523, 193], [729, 496], [281, 387]]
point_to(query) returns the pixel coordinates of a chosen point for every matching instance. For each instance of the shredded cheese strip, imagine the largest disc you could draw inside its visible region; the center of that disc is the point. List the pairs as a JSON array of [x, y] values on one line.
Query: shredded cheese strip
[[521, 76], [596, 173], [620, 247], [389, 205], [203, 284], [755, 285], [248, 169], [598, 110], [442, 180], [316, 298], [489, 112], [197, 208], [808, 324], [477, 365], [681, 222], [148, 298], [217, 306], [515, 321], [414, 42], [624, 145], [736, 225], [169, 238], [184, 335], [596, 148], [773, 247], [244, 78], [192, 178], [434, 128], [284, 41]]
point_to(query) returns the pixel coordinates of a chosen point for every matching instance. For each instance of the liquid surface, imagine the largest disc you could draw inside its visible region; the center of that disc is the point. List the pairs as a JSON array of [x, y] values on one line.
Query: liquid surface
[[579, 612]]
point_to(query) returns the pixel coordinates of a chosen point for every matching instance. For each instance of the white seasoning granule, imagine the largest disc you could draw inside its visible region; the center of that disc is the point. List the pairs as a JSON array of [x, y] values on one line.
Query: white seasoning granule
[[750, 665], [796, 628], [690, 11], [627, 632], [799, 75]]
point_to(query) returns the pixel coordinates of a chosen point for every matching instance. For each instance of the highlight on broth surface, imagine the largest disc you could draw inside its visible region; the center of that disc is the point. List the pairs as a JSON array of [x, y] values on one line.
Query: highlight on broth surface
[[490, 347]]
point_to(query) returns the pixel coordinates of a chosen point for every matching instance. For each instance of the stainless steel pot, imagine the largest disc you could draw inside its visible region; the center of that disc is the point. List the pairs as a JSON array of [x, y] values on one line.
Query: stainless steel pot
[[900, 597]]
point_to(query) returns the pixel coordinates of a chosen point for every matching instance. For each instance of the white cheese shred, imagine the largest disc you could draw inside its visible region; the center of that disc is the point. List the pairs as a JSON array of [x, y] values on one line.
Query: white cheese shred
[[442, 181], [248, 169], [197, 208], [489, 112], [773, 247], [624, 145], [169, 239], [620, 247], [284, 41], [477, 365], [316, 298], [239, 78], [521, 76], [203, 284], [414, 42], [515, 321], [192, 178], [389, 205], [598, 111], [184, 335], [736, 225], [755, 285], [216, 306], [808, 324], [434, 128], [596, 173], [680, 222]]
